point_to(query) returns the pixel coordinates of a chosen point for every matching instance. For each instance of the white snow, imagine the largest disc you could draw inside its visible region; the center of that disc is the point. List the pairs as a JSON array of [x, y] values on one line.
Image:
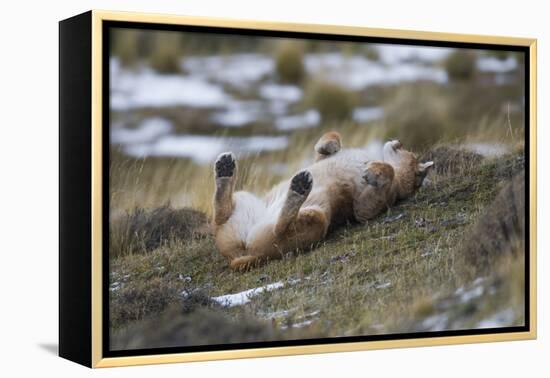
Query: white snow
[[395, 54], [148, 130], [302, 324], [357, 72], [503, 318], [436, 322], [487, 149], [492, 64], [239, 70], [310, 118], [243, 297], [204, 149], [384, 285], [145, 88], [277, 314], [474, 293], [287, 93], [238, 113], [367, 114]]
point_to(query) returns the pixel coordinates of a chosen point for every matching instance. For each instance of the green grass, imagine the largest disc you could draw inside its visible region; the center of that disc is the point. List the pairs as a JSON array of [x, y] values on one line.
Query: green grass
[[387, 276]]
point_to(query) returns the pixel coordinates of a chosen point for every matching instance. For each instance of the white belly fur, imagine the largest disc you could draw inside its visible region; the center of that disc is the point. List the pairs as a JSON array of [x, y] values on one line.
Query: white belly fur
[[252, 213]]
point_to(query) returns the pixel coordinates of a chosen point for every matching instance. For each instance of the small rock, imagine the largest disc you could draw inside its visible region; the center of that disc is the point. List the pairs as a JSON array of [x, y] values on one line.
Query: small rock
[[393, 218], [420, 222], [432, 229], [342, 258], [384, 285], [181, 277]]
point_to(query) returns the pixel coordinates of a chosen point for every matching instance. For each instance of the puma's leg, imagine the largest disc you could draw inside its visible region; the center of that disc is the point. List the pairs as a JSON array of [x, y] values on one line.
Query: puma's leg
[[329, 144], [225, 170], [247, 262], [377, 194], [300, 186], [233, 237], [310, 227]]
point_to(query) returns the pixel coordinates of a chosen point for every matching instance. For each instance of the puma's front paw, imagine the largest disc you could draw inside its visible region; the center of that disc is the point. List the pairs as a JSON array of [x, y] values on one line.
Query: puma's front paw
[[302, 183], [225, 165]]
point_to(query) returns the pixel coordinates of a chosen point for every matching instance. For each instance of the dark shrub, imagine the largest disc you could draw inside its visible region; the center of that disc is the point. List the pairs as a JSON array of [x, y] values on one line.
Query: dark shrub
[[452, 160], [289, 63], [332, 101], [416, 115], [200, 327], [500, 230], [460, 65], [145, 230], [166, 52]]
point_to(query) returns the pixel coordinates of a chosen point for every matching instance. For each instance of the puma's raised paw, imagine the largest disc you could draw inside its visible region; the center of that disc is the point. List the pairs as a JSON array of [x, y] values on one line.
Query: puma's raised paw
[[329, 144], [225, 165], [302, 183]]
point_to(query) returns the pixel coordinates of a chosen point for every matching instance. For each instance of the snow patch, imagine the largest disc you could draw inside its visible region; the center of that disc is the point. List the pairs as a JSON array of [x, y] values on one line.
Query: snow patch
[[492, 64], [204, 149], [239, 70], [238, 113], [367, 114], [488, 149], [149, 130], [144, 87], [278, 92], [310, 118], [357, 72], [243, 297], [395, 54], [503, 318]]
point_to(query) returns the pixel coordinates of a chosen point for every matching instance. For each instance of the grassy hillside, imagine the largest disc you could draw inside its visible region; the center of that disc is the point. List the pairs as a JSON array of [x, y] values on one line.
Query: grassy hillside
[[413, 268]]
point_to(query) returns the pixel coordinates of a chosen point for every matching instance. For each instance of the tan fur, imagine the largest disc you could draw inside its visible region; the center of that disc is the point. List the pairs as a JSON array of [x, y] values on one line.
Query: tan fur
[[329, 144], [342, 185]]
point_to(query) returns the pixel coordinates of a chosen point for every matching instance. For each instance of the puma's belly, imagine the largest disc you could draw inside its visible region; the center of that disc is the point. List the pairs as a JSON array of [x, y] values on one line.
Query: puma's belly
[[337, 181], [344, 168]]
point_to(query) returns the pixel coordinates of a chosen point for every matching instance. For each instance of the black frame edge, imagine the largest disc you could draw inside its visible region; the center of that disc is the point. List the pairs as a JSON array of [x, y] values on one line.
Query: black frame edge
[[75, 194], [108, 353]]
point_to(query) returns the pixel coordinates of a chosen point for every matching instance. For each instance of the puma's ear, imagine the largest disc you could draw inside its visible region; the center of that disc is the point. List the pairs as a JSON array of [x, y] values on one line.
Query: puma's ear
[[423, 167]]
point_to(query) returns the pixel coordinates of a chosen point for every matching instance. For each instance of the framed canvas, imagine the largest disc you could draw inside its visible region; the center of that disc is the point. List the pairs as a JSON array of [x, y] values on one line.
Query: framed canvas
[[234, 189]]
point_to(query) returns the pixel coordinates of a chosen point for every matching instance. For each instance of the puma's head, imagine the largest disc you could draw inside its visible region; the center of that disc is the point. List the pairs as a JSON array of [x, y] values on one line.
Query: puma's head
[[409, 172]]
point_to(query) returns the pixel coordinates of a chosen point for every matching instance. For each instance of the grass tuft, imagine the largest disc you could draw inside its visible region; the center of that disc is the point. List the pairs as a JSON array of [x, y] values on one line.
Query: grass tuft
[[289, 63], [142, 231], [417, 116], [500, 231], [461, 65], [332, 101], [166, 54]]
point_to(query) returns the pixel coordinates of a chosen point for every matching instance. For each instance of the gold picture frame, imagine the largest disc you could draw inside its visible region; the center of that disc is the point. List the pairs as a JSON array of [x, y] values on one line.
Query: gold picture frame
[[90, 329]]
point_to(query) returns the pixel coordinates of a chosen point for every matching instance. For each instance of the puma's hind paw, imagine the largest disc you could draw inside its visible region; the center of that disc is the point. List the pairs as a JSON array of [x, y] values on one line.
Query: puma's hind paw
[[225, 165], [302, 183]]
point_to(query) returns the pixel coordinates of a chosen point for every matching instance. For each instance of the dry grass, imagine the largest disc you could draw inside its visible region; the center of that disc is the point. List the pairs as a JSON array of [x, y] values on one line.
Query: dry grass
[[154, 182], [166, 55], [388, 276], [142, 231]]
